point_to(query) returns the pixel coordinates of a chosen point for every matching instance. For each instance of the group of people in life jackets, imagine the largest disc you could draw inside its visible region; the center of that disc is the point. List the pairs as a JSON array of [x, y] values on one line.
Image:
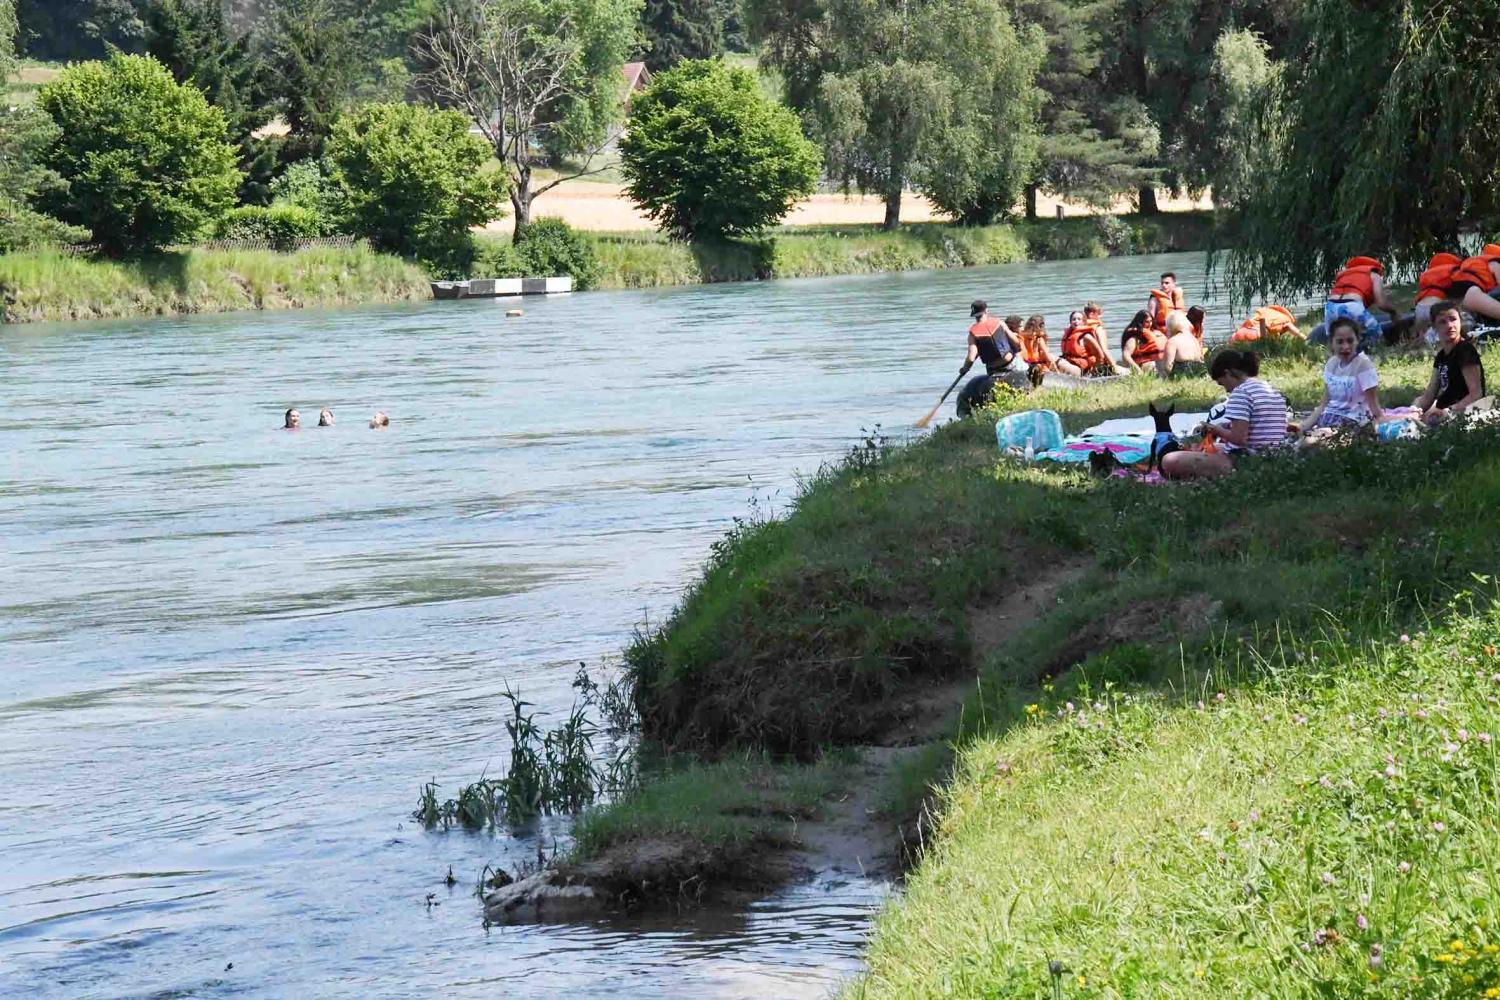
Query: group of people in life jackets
[[1166, 338], [1358, 290]]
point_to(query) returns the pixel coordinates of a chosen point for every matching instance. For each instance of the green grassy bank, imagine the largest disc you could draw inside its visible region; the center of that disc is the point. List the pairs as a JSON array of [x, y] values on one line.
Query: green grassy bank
[[53, 286], [646, 260], [1248, 752]]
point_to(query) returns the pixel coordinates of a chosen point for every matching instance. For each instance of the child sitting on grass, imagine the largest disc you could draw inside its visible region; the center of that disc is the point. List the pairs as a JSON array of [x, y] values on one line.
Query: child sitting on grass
[[1457, 381], [1349, 381]]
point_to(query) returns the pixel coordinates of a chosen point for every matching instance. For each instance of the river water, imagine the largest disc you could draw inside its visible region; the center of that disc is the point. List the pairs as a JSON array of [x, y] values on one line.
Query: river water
[[230, 655]]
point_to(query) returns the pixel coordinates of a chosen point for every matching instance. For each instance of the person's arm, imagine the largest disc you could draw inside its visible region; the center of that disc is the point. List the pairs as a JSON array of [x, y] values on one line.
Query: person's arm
[[1168, 357], [1473, 378], [1372, 403], [1236, 432], [969, 357], [1429, 394], [1013, 337], [1382, 297], [1126, 355], [1312, 418]]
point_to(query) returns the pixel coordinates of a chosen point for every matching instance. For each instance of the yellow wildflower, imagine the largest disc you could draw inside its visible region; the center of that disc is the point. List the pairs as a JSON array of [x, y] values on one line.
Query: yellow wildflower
[[1082, 982], [1490, 949], [1442, 956], [1032, 709], [1456, 945]]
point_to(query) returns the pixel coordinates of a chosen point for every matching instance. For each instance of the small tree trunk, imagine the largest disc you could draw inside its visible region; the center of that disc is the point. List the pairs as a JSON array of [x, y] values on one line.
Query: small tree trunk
[[1146, 198], [1031, 192], [892, 209], [520, 202]]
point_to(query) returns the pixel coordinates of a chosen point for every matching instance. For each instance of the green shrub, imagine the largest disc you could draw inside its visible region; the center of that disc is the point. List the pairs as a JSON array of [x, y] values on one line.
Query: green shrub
[[146, 159], [305, 185], [410, 179], [552, 247], [495, 258], [283, 225], [708, 155]]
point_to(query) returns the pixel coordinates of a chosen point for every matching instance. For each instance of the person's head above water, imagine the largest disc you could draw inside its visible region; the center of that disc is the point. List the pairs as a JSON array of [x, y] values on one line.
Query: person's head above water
[[380, 420], [1343, 337], [978, 307], [325, 418], [293, 420]]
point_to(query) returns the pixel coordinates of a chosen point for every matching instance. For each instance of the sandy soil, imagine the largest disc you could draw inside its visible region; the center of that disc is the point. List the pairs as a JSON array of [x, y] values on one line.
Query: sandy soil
[[604, 207]]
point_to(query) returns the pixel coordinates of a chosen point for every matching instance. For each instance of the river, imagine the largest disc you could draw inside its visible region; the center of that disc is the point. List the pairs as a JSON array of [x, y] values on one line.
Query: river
[[230, 655]]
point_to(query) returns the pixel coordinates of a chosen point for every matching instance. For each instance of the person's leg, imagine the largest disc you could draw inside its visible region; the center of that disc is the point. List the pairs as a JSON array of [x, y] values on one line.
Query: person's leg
[[1067, 367], [1196, 465], [1481, 304]]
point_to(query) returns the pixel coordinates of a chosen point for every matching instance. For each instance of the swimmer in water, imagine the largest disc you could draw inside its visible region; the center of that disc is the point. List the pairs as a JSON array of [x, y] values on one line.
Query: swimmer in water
[[380, 421], [325, 418], [293, 421]]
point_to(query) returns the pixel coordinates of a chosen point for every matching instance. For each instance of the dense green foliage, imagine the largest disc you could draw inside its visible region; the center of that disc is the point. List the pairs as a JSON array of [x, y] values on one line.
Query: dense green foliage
[[194, 39], [283, 225], [410, 179], [708, 156], [78, 29], [674, 30], [936, 94], [1375, 142], [146, 158], [552, 247], [25, 134], [311, 57]]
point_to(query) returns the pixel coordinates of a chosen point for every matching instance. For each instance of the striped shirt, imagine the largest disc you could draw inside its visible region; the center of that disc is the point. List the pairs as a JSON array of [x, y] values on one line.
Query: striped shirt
[[1263, 408]]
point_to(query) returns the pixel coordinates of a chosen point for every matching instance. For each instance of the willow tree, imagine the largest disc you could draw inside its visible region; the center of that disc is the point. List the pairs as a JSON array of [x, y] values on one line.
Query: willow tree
[[1381, 142]]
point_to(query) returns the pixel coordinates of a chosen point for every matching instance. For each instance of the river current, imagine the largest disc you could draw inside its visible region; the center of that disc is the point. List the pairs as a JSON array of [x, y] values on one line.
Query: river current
[[230, 655]]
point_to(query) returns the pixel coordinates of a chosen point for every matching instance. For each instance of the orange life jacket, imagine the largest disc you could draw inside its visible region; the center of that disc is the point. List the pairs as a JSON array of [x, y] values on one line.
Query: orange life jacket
[[1074, 348], [1476, 271], [1279, 322], [1163, 304], [985, 327], [1437, 281], [1149, 346], [1355, 279], [1034, 349]]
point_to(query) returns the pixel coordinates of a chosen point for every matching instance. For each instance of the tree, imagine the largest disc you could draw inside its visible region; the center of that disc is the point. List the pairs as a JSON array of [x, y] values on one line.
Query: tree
[[411, 179], [674, 30], [24, 134], [77, 29], [895, 87], [194, 39], [1093, 145], [1243, 80], [311, 57], [709, 156], [532, 75], [147, 159], [1377, 143]]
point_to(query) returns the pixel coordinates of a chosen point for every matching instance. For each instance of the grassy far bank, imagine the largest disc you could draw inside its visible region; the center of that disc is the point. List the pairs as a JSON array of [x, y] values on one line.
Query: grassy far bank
[[1321, 825], [643, 260], [51, 286]]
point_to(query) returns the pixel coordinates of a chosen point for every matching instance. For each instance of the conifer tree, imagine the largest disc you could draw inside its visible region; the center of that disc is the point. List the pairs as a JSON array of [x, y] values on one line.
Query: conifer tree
[[674, 30]]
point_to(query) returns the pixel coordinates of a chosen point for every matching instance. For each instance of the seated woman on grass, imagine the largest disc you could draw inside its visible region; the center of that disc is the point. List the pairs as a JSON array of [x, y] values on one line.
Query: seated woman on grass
[[1349, 381], [1183, 354], [1141, 346], [1457, 372], [1254, 419], [1082, 352]]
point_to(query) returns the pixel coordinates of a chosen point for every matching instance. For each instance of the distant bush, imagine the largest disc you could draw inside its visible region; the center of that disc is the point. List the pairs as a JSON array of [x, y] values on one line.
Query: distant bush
[[305, 185], [146, 159], [497, 258], [411, 179], [282, 225], [709, 156], [551, 247]]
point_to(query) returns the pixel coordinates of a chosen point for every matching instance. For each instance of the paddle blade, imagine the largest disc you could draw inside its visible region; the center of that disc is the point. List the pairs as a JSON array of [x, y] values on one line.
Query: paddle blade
[[928, 419]]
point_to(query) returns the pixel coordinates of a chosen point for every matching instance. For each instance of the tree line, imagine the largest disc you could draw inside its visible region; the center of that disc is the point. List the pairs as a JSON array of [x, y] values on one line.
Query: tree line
[[1321, 129]]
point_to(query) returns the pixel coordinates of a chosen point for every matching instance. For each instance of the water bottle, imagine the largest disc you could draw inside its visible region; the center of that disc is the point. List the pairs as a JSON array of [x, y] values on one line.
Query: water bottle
[[1030, 452]]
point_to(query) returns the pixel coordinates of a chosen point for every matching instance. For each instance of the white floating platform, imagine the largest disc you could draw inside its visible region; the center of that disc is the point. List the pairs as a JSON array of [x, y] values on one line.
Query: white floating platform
[[492, 288]]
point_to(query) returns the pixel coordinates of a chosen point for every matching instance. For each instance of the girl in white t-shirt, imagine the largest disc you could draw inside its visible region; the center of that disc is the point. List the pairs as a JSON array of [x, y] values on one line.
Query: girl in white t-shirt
[[1349, 381]]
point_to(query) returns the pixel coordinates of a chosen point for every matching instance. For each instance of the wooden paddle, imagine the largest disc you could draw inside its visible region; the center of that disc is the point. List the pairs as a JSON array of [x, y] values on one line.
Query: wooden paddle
[[933, 412]]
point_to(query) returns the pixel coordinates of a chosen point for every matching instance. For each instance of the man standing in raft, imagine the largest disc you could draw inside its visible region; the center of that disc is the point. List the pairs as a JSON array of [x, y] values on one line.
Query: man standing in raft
[[990, 340], [1356, 290]]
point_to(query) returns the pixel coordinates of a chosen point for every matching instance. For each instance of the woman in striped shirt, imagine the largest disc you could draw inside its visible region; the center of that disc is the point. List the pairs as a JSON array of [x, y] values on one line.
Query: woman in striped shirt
[[1254, 419]]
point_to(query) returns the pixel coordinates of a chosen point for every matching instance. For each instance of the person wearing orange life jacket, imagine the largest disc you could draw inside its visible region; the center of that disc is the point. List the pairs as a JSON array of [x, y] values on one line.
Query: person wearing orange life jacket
[[1267, 321], [1164, 301], [1093, 318], [1450, 277], [1081, 350], [990, 340], [1357, 289], [1034, 349], [1141, 345]]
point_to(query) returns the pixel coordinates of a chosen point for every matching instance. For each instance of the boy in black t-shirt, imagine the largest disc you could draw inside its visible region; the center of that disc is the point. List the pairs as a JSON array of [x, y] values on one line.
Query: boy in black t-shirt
[[1457, 372]]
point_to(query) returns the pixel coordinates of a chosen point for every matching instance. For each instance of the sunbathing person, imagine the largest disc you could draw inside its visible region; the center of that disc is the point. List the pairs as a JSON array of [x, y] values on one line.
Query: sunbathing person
[[1254, 420], [1349, 381], [1183, 354], [1457, 381]]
